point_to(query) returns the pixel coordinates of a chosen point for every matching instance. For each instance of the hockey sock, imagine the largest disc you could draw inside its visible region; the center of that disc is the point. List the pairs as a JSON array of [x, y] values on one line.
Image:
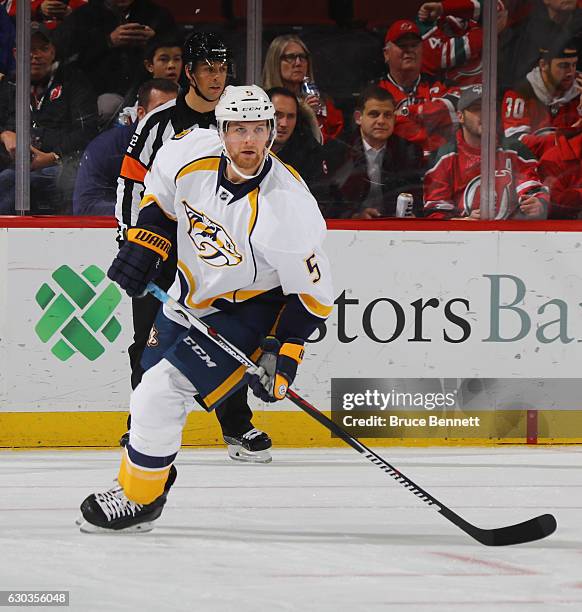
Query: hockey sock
[[141, 485]]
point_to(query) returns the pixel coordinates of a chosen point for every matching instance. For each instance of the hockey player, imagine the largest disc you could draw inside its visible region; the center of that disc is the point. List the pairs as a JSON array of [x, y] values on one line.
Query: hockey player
[[250, 263], [206, 60]]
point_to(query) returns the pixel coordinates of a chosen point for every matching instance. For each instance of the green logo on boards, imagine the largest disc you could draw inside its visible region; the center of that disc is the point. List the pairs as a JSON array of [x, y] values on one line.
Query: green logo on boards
[[79, 317]]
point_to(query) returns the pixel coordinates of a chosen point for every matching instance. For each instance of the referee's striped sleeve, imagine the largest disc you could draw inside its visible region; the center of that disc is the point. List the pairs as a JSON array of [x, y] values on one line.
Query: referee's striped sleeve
[[152, 131]]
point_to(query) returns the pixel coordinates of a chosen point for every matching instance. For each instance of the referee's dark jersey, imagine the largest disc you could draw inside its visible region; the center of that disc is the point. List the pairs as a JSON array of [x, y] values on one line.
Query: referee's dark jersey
[[152, 132]]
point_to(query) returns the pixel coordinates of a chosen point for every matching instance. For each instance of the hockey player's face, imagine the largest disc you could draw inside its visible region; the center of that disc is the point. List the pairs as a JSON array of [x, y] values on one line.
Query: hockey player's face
[[561, 72], [166, 64], [376, 121], [210, 78], [245, 143]]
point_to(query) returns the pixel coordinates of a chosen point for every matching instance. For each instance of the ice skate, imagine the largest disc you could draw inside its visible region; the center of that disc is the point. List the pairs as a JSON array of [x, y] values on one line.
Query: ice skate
[[111, 511], [251, 447]]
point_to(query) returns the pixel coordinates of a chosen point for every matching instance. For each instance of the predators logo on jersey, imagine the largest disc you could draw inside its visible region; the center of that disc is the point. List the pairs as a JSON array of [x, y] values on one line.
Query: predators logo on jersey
[[212, 242]]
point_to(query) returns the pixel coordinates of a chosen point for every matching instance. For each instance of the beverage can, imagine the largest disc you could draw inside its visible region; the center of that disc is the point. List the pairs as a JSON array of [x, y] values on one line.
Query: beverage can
[[404, 204]]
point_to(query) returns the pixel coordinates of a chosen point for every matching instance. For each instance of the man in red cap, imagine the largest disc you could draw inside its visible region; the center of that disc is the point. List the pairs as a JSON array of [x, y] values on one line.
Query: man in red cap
[[425, 109]]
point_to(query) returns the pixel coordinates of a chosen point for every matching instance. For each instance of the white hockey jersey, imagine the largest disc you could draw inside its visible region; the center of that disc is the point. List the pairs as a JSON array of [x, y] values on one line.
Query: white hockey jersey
[[236, 241]]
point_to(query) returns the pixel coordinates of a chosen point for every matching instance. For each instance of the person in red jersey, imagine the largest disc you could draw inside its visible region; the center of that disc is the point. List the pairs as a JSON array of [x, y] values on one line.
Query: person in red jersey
[[425, 109], [546, 102], [452, 39], [452, 187], [561, 169]]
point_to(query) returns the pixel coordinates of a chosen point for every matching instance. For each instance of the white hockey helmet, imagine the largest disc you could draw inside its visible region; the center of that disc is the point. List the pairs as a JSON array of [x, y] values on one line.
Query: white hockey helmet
[[245, 103]]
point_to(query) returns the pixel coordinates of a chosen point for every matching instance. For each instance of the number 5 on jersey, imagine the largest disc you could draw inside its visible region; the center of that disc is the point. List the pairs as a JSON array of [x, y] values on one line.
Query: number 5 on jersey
[[313, 268]]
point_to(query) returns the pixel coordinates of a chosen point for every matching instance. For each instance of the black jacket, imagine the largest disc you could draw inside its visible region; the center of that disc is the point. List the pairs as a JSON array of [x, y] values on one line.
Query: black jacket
[[66, 119], [348, 185], [84, 37], [305, 154]]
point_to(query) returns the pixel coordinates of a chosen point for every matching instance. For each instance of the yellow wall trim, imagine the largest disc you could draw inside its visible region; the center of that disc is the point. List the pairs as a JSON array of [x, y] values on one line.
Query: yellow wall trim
[[286, 428]]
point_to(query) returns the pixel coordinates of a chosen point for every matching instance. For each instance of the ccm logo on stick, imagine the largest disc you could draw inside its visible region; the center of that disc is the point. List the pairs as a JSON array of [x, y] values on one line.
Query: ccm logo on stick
[[200, 352]]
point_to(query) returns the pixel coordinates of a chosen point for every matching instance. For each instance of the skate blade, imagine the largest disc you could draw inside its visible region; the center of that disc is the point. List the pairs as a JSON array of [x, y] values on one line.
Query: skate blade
[[239, 453], [86, 527]]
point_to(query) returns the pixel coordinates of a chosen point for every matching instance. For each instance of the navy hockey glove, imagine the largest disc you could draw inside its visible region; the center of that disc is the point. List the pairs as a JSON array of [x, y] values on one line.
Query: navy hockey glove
[[139, 259], [276, 368]]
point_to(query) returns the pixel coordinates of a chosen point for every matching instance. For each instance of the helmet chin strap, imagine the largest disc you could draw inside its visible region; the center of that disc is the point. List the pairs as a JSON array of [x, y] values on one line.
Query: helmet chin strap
[[197, 89], [246, 177], [237, 170]]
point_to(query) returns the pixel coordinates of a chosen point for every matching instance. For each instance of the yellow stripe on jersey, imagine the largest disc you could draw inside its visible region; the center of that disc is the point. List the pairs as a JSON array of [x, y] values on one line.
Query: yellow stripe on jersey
[[215, 396], [289, 167], [151, 199], [254, 202], [314, 306], [243, 296], [141, 485], [232, 296], [205, 163]]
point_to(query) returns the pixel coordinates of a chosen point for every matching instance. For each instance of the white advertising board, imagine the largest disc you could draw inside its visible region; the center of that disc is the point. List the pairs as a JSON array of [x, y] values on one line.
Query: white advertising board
[[409, 304]]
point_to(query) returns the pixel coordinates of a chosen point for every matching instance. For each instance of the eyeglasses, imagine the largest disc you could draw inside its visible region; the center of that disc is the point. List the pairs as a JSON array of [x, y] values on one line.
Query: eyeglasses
[[291, 58]]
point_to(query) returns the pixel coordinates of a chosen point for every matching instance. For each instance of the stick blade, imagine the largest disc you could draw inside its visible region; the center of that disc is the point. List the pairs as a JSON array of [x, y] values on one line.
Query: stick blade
[[529, 531]]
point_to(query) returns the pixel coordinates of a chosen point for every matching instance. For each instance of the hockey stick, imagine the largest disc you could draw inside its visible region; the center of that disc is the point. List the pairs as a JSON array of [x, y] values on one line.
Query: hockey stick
[[528, 531]]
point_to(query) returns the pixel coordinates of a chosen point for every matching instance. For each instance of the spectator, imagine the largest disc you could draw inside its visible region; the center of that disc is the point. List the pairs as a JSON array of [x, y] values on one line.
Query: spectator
[[96, 184], [552, 22], [7, 92], [7, 44], [545, 102], [287, 64], [51, 12], [63, 118], [452, 187], [425, 110], [162, 60], [294, 143], [561, 169], [452, 39], [367, 174], [106, 38]]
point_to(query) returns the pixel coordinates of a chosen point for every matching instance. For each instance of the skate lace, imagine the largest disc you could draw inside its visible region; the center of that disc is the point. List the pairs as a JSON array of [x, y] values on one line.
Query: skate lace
[[252, 434], [115, 505]]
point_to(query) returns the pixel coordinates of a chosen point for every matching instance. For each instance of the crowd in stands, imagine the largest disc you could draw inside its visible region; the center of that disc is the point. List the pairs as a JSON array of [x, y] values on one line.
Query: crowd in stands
[[358, 138]]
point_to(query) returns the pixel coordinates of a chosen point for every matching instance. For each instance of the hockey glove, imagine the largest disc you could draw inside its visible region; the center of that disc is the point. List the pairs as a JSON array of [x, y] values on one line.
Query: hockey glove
[[276, 368], [139, 259]]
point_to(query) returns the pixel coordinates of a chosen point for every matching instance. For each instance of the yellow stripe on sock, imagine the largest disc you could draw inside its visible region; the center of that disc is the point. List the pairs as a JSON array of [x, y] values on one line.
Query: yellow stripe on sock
[[140, 485]]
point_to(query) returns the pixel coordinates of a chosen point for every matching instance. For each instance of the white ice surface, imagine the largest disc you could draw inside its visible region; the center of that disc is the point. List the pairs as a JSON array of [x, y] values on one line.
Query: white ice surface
[[315, 530]]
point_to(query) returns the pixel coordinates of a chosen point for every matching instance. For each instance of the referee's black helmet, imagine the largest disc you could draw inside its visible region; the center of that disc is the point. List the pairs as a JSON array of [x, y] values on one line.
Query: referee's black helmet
[[205, 47]]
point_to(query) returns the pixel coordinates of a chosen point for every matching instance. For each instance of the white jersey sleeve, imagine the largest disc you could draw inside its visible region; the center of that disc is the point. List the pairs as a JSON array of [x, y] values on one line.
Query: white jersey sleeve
[[290, 238]]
